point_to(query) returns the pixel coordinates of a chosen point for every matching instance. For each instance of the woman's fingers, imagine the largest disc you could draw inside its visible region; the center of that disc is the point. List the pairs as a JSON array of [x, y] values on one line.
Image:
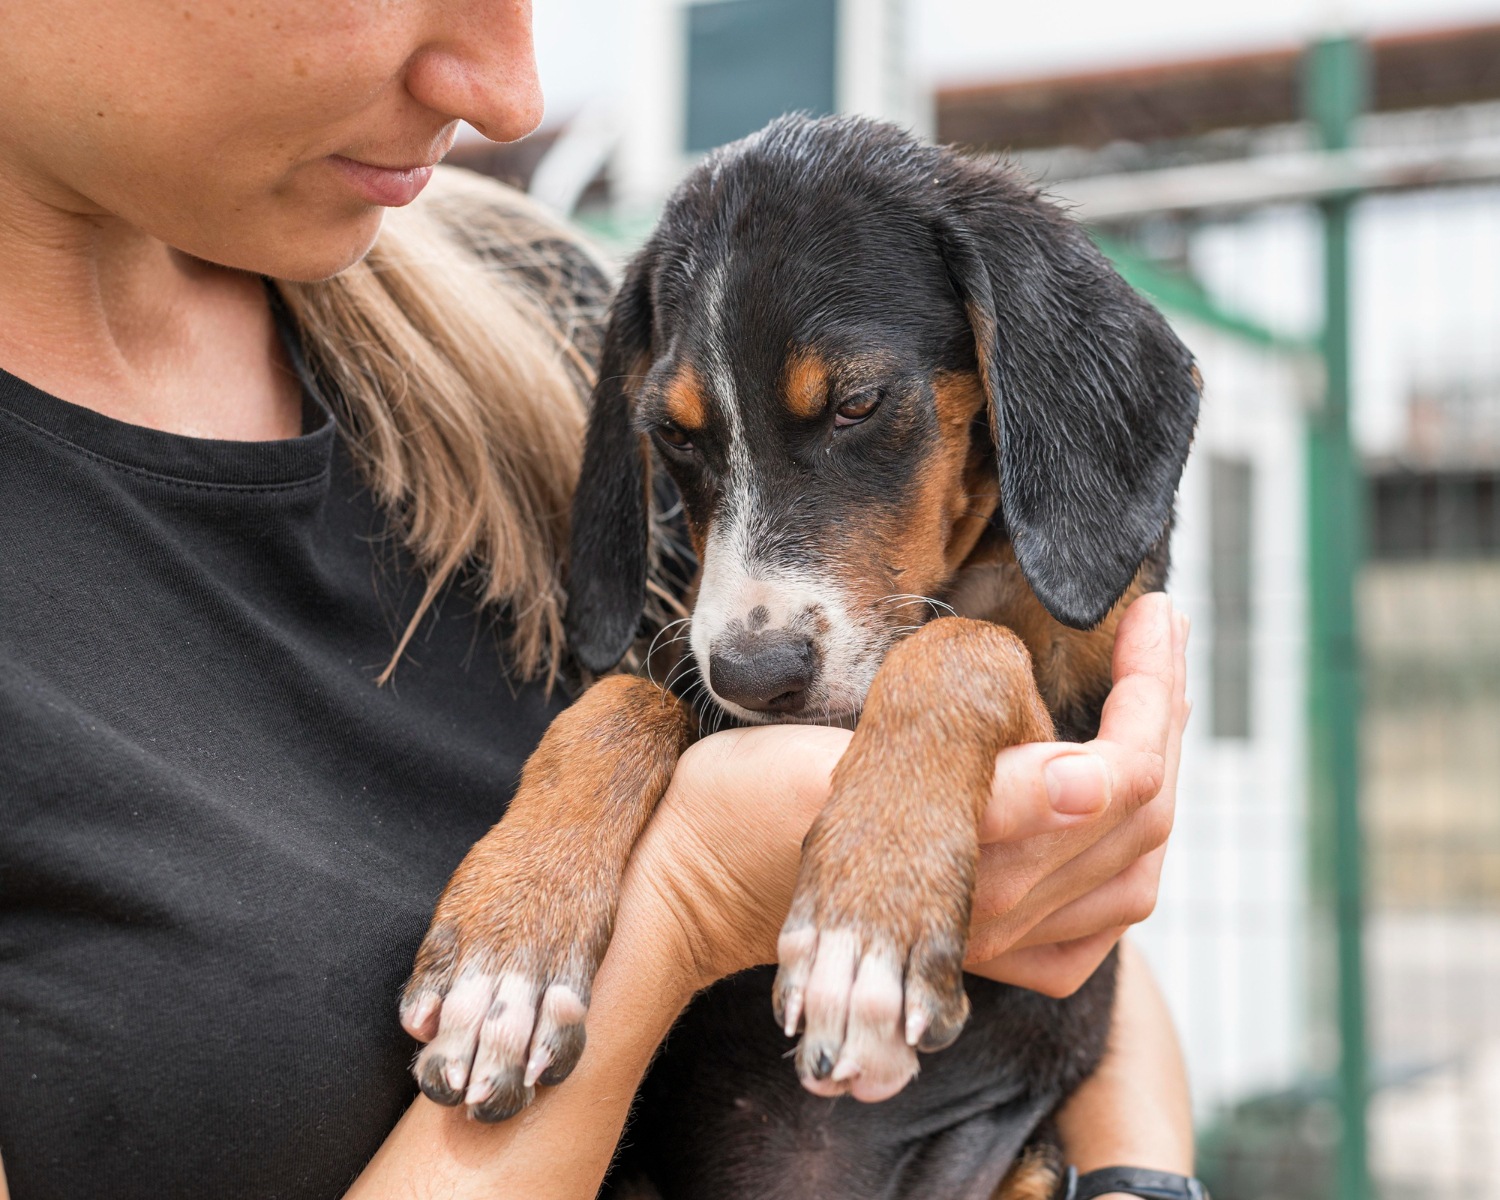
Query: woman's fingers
[[1010, 903], [1073, 835], [1056, 968], [1056, 787], [1127, 899]]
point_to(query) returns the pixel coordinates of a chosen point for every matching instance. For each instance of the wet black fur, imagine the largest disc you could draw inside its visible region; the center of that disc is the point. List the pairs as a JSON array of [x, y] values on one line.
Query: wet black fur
[[850, 237]]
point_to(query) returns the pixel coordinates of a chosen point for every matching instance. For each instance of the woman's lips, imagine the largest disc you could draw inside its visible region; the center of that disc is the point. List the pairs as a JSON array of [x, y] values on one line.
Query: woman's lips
[[389, 187]]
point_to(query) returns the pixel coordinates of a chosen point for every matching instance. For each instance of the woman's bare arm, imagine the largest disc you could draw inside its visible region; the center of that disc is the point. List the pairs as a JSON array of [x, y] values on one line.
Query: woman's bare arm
[[1134, 1110]]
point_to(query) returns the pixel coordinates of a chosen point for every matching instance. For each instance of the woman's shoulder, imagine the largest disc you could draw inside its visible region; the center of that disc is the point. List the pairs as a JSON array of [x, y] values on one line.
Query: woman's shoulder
[[549, 259]]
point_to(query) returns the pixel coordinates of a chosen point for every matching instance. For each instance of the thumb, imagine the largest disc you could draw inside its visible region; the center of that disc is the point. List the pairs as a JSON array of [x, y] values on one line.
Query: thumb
[[1044, 787]]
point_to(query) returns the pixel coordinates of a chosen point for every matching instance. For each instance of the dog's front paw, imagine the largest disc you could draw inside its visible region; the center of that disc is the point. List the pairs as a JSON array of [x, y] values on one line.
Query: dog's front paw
[[872, 958], [502, 981]]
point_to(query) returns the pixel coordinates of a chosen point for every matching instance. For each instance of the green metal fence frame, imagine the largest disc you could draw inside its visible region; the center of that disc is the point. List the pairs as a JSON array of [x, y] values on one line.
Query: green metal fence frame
[[1335, 88]]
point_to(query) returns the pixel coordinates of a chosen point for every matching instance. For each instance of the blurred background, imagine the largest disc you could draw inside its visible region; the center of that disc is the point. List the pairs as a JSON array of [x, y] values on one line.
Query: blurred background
[[1311, 191]]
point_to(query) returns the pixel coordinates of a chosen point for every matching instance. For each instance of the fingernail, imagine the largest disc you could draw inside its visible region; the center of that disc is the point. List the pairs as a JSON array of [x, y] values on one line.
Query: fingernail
[[1075, 784]]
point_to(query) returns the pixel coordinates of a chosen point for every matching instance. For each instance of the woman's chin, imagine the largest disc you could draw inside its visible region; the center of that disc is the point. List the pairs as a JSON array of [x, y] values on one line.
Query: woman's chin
[[297, 237], [322, 252]]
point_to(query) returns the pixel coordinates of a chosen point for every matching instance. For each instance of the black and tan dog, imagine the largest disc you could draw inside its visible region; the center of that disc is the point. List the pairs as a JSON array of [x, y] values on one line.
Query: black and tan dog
[[886, 381]]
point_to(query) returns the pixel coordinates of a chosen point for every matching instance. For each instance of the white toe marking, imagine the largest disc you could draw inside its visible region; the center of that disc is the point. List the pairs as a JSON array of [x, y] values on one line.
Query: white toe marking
[[562, 1006], [827, 1000], [794, 950], [504, 1035], [420, 1019], [458, 1028], [875, 1057]]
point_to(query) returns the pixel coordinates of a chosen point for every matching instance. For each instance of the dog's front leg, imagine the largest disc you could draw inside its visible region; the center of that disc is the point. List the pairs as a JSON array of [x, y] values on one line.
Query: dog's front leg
[[502, 980], [872, 951]]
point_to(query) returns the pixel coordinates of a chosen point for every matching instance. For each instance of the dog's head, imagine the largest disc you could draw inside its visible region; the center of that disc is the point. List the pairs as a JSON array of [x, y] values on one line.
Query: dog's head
[[853, 353]]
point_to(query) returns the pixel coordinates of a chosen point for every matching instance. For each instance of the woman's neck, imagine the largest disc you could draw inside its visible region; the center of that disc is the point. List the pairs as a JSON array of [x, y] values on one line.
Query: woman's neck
[[99, 313]]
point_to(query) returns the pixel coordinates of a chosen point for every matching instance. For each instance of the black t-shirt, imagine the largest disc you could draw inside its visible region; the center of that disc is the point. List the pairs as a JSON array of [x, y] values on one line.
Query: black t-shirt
[[220, 842]]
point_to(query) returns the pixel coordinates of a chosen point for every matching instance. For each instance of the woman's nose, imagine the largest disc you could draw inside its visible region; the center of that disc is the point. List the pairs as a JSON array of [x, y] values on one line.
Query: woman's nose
[[478, 64]]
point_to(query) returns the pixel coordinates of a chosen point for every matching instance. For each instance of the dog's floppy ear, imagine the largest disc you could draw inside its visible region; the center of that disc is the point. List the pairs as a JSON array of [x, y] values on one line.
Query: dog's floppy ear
[[610, 527], [1092, 398]]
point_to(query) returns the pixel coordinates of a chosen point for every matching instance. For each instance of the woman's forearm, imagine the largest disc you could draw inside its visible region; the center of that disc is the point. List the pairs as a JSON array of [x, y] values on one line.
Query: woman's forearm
[[1134, 1110], [560, 1147]]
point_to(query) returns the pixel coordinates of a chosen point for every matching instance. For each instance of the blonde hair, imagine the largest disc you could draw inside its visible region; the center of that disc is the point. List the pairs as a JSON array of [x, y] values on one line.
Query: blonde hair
[[459, 352]]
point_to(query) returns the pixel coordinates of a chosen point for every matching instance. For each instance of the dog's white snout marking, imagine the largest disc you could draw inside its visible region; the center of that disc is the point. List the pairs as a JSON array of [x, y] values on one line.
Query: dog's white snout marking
[[740, 599]]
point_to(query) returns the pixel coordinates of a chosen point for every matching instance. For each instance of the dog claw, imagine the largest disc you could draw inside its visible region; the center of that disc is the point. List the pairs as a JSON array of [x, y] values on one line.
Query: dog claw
[[432, 1078], [420, 1018], [793, 1014], [866, 1005], [500, 1098], [498, 1035], [540, 1060]]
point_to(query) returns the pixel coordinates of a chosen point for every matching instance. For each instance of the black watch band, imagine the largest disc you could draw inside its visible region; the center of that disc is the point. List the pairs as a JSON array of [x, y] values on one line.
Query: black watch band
[[1131, 1181]]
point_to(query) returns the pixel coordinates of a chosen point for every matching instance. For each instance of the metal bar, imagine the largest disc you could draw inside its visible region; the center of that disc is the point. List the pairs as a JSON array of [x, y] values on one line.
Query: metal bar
[[1335, 92], [1247, 183]]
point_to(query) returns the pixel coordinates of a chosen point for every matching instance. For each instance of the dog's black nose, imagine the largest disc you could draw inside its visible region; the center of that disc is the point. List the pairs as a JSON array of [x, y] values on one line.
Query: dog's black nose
[[764, 672]]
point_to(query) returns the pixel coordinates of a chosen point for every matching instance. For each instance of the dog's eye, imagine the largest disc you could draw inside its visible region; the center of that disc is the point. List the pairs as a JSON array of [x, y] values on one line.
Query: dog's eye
[[675, 437], [855, 409]]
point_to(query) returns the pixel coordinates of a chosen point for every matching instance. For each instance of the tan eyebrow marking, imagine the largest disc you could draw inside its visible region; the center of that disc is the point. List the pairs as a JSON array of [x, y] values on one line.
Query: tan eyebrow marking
[[804, 384], [683, 400]]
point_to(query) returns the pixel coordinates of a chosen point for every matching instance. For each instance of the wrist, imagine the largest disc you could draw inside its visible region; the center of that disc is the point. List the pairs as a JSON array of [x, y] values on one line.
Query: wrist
[[650, 930]]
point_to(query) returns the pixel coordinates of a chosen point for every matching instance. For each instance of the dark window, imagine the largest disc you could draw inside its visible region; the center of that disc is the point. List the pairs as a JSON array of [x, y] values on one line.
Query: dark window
[[1230, 498], [750, 61], [1435, 514]]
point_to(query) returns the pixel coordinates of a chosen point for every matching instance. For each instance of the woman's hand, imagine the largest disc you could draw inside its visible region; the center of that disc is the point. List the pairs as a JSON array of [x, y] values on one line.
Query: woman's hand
[[1071, 843]]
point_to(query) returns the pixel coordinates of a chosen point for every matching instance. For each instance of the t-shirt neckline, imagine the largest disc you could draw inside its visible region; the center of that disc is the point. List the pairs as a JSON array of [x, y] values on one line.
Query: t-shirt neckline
[[209, 461]]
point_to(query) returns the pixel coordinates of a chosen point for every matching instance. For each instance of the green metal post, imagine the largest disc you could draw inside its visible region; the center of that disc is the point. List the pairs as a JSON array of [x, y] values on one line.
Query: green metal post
[[1335, 92]]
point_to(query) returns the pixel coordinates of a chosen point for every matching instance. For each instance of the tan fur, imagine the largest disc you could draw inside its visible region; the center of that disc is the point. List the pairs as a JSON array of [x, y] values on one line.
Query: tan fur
[[893, 856], [914, 550], [1072, 665], [684, 402], [1034, 1176], [543, 882], [804, 388]]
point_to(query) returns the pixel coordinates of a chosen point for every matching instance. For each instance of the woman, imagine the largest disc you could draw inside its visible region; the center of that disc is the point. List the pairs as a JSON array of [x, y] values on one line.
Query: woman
[[228, 510]]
